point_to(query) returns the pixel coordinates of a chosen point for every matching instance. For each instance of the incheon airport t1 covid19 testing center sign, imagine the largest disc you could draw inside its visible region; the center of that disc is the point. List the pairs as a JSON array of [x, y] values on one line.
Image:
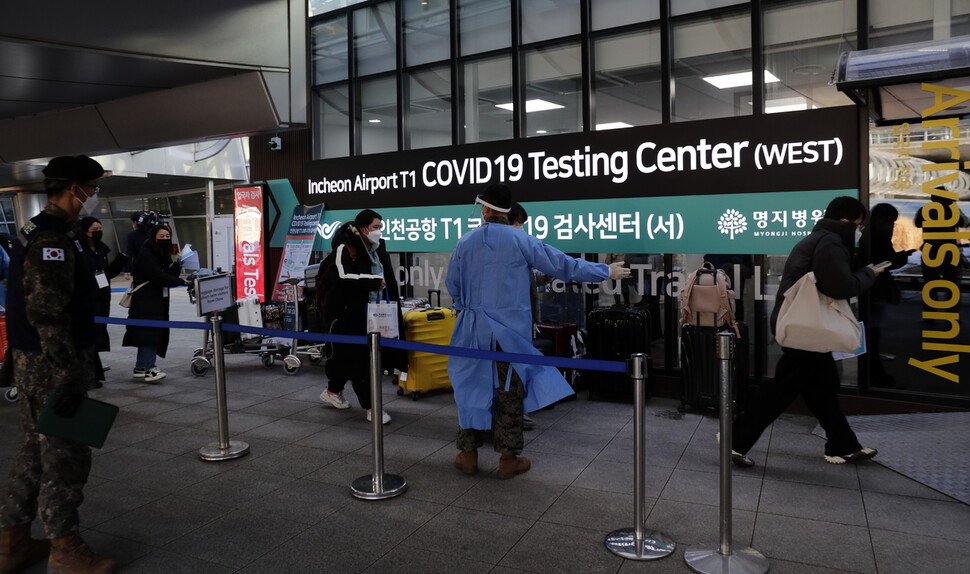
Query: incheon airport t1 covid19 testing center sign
[[733, 185]]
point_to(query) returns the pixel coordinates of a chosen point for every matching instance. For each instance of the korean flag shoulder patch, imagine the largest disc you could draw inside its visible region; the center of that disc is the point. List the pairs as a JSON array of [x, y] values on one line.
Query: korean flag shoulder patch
[[53, 254]]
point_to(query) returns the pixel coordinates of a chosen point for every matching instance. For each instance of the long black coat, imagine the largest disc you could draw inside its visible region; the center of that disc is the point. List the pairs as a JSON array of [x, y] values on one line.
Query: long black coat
[[98, 261], [149, 302], [349, 282]]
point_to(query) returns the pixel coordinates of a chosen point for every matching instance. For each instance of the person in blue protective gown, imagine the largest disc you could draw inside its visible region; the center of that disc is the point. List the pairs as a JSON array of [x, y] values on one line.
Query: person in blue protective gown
[[488, 278]]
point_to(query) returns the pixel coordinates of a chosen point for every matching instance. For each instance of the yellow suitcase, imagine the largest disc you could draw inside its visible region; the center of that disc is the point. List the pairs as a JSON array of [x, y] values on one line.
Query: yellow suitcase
[[427, 371]]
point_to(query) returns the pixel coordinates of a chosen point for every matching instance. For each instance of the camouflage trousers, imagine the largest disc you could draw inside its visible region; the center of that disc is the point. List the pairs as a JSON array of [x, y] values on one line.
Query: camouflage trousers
[[48, 473], [507, 421]]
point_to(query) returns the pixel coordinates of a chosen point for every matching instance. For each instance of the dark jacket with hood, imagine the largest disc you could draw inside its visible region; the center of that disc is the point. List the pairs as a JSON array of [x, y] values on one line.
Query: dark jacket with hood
[[149, 302], [349, 282], [828, 252]]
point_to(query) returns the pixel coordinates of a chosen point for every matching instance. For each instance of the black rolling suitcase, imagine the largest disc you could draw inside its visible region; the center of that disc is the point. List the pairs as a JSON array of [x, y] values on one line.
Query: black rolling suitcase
[[613, 334], [700, 366]]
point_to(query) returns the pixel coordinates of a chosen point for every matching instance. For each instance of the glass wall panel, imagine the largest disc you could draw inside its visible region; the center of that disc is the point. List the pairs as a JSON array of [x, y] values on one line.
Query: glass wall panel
[[375, 39], [378, 115], [429, 107], [224, 201], [959, 18], [627, 80], [427, 36], [193, 230], [484, 25], [895, 22], [328, 50], [802, 41], [331, 122], [188, 204], [553, 90], [318, 7], [712, 67], [547, 19], [8, 223], [612, 13], [922, 303], [428, 271], [689, 6], [487, 84]]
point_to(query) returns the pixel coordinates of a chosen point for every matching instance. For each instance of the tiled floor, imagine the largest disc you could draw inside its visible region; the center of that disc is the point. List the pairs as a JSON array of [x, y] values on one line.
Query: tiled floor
[[156, 507]]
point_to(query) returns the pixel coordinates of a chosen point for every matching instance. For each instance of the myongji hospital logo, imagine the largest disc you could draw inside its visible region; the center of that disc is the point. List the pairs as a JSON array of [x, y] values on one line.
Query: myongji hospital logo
[[732, 222]]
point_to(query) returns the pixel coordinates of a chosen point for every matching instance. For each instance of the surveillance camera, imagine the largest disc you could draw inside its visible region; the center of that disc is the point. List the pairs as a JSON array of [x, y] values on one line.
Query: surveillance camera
[[275, 144]]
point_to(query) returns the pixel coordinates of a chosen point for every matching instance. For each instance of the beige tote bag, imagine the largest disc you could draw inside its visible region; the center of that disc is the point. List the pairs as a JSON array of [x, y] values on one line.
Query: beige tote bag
[[813, 321]]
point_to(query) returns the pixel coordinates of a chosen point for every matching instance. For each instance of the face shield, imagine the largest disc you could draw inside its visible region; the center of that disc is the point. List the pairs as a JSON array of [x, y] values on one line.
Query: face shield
[[480, 201]]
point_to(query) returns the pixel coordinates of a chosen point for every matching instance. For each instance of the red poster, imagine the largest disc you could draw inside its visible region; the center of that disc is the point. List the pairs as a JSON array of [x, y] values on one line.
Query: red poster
[[249, 242]]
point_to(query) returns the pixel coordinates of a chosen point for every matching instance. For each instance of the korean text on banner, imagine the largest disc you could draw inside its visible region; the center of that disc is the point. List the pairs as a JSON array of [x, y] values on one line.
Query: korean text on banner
[[249, 241], [304, 226]]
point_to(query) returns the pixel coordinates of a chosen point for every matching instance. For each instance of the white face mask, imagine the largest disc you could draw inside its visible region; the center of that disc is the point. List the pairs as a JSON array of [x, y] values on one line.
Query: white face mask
[[374, 236], [858, 234], [89, 206]]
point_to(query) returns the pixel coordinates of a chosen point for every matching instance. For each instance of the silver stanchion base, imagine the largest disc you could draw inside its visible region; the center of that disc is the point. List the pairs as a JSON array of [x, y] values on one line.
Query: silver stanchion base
[[624, 543], [709, 560], [212, 451], [364, 487]]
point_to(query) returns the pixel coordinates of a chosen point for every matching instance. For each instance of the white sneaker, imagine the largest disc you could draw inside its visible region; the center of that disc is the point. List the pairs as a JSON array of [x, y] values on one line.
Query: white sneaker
[[861, 454], [154, 375], [386, 418], [335, 399]]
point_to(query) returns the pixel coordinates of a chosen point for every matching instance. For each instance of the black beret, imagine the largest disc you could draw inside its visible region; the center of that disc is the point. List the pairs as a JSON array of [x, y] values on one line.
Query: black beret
[[73, 168]]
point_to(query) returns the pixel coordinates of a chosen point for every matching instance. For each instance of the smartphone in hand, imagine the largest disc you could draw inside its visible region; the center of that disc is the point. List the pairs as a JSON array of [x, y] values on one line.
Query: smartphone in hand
[[881, 265]]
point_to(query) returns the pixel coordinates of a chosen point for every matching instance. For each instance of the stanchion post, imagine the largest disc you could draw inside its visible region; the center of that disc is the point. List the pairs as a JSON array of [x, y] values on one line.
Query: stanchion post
[[378, 485], [725, 359], [638, 543], [225, 449], [724, 559]]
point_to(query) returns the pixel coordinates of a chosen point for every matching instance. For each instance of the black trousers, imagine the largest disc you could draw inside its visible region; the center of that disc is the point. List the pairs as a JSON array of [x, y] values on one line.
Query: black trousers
[[815, 377]]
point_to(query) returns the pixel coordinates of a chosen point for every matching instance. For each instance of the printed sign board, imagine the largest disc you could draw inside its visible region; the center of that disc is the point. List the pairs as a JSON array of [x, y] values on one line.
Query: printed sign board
[[758, 182], [213, 293], [248, 219], [304, 224]]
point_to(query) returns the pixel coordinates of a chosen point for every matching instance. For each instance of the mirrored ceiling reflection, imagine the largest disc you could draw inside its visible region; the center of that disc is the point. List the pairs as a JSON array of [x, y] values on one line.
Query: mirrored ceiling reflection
[[898, 160]]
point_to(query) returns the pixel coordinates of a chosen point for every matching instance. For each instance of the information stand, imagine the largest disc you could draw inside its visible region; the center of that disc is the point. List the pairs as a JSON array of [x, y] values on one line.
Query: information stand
[[214, 295]]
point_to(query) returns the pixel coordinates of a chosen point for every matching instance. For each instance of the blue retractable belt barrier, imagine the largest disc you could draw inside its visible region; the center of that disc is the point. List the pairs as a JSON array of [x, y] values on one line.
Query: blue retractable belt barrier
[[563, 362]]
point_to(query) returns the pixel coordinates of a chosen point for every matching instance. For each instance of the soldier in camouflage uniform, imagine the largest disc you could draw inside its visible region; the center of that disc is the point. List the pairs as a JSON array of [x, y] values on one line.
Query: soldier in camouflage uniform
[[50, 326], [488, 278], [508, 422]]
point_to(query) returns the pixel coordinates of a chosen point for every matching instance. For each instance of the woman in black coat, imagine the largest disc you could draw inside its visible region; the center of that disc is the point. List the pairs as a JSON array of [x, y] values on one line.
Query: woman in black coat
[[357, 273], [156, 269], [104, 272]]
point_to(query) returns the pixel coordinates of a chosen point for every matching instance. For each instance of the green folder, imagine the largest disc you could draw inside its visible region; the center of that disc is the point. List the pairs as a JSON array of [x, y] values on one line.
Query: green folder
[[89, 425]]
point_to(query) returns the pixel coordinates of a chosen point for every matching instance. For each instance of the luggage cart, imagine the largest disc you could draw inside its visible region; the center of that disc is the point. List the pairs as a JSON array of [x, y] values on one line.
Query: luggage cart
[[314, 351], [249, 313]]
